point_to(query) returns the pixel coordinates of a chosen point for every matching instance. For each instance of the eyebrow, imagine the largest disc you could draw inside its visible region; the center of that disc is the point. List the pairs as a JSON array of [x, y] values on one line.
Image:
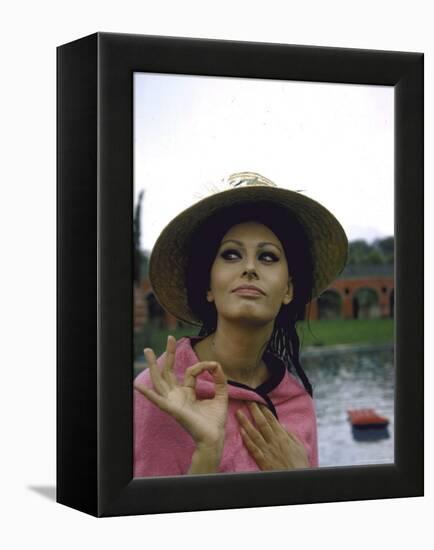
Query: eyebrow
[[260, 245]]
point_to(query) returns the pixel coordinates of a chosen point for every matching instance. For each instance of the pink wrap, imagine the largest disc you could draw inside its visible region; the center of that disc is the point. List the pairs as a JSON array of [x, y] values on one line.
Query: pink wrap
[[163, 448]]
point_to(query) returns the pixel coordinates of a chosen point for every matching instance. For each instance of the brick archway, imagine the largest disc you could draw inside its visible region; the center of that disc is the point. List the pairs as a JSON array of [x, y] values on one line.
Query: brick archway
[[329, 304], [366, 303], [347, 288]]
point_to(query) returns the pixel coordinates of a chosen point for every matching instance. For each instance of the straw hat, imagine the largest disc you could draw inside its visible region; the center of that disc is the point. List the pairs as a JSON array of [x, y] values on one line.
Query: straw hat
[[168, 262]]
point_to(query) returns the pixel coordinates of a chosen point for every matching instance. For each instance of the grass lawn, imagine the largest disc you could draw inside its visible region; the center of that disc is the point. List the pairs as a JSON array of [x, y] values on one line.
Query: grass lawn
[[320, 333], [350, 331]]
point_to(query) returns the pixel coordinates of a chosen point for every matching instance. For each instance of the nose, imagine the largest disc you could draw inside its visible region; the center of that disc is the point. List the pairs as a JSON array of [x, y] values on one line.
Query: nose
[[251, 274], [249, 269]]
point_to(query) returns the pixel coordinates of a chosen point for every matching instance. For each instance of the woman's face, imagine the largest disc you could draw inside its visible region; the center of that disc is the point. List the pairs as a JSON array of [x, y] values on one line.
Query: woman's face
[[249, 279]]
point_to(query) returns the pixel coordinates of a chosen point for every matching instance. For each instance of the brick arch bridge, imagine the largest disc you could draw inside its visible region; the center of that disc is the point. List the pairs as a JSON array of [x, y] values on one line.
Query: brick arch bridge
[[345, 293]]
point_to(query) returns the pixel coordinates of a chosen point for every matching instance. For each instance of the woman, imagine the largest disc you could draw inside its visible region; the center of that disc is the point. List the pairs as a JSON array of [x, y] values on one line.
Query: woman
[[243, 264]]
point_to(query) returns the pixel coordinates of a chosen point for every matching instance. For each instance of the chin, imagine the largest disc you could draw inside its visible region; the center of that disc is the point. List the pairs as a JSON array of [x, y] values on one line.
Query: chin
[[246, 316]]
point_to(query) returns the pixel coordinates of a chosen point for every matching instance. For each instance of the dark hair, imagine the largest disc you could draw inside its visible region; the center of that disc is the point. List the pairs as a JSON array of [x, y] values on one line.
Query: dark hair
[[284, 341]]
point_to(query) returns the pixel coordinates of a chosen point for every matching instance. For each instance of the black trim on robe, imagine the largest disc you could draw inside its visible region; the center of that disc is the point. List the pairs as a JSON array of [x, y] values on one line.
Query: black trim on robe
[[276, 371]]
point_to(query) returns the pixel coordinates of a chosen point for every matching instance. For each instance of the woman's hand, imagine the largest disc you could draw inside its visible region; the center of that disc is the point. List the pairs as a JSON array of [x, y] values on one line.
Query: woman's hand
[[271, 446], [203, 419]]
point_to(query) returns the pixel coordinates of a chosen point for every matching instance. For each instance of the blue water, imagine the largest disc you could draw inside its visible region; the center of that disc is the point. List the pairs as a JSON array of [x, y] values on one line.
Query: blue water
[[352, 380]]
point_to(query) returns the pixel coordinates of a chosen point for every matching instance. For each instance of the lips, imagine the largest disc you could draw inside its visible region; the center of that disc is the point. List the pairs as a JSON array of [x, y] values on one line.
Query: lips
[[249, 290]]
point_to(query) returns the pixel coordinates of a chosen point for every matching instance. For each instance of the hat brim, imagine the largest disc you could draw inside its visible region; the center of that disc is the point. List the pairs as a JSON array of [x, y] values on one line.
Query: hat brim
[[169, 257]]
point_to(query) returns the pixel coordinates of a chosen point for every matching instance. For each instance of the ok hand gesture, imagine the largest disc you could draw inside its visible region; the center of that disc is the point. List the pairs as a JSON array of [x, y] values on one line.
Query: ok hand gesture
[[203, 419]]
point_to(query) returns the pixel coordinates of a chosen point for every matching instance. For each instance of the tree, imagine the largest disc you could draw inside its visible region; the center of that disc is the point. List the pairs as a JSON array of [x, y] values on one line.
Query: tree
[[387, 248], [381, 251], [358, 250]]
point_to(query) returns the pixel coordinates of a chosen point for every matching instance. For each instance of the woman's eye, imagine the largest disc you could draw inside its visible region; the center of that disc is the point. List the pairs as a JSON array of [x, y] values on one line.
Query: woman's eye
[[230, 255], [268, 257]]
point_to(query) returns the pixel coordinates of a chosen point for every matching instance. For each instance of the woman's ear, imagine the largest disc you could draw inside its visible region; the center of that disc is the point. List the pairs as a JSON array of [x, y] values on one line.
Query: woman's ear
[[289, 294], [209, 296]]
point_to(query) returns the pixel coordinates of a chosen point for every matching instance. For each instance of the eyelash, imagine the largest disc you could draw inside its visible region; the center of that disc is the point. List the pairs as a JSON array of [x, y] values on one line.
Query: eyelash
[[227, 253]]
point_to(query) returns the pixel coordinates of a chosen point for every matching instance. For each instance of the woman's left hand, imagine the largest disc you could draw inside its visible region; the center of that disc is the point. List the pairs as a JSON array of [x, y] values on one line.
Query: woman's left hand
[[271, 446]]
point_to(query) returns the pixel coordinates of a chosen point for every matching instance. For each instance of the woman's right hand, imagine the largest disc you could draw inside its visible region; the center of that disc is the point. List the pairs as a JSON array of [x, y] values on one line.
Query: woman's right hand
[[203, 419]]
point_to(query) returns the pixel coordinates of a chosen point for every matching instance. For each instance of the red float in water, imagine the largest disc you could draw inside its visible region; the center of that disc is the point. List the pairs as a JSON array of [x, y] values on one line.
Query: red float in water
[[366, 418]]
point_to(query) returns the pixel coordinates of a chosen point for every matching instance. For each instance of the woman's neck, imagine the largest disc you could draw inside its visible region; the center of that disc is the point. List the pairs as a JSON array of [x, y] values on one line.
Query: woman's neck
[[239, 350]]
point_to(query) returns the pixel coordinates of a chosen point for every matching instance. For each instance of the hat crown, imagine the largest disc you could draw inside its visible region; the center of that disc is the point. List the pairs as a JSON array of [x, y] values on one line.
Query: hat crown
[[248, 179]]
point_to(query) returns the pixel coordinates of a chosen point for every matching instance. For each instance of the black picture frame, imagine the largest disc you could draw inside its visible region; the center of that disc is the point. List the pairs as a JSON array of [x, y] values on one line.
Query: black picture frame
[[95, 273]]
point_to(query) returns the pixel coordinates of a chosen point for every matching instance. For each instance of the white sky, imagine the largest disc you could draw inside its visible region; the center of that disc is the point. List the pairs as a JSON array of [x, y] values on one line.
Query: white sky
[[332, 141]]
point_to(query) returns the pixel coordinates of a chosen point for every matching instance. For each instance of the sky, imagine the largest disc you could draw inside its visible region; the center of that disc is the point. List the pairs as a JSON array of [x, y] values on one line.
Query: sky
[[333, 142]]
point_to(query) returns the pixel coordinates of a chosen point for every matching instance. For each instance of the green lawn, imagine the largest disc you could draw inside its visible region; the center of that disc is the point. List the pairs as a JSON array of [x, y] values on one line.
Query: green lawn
[[350, 331], [320, 333]]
